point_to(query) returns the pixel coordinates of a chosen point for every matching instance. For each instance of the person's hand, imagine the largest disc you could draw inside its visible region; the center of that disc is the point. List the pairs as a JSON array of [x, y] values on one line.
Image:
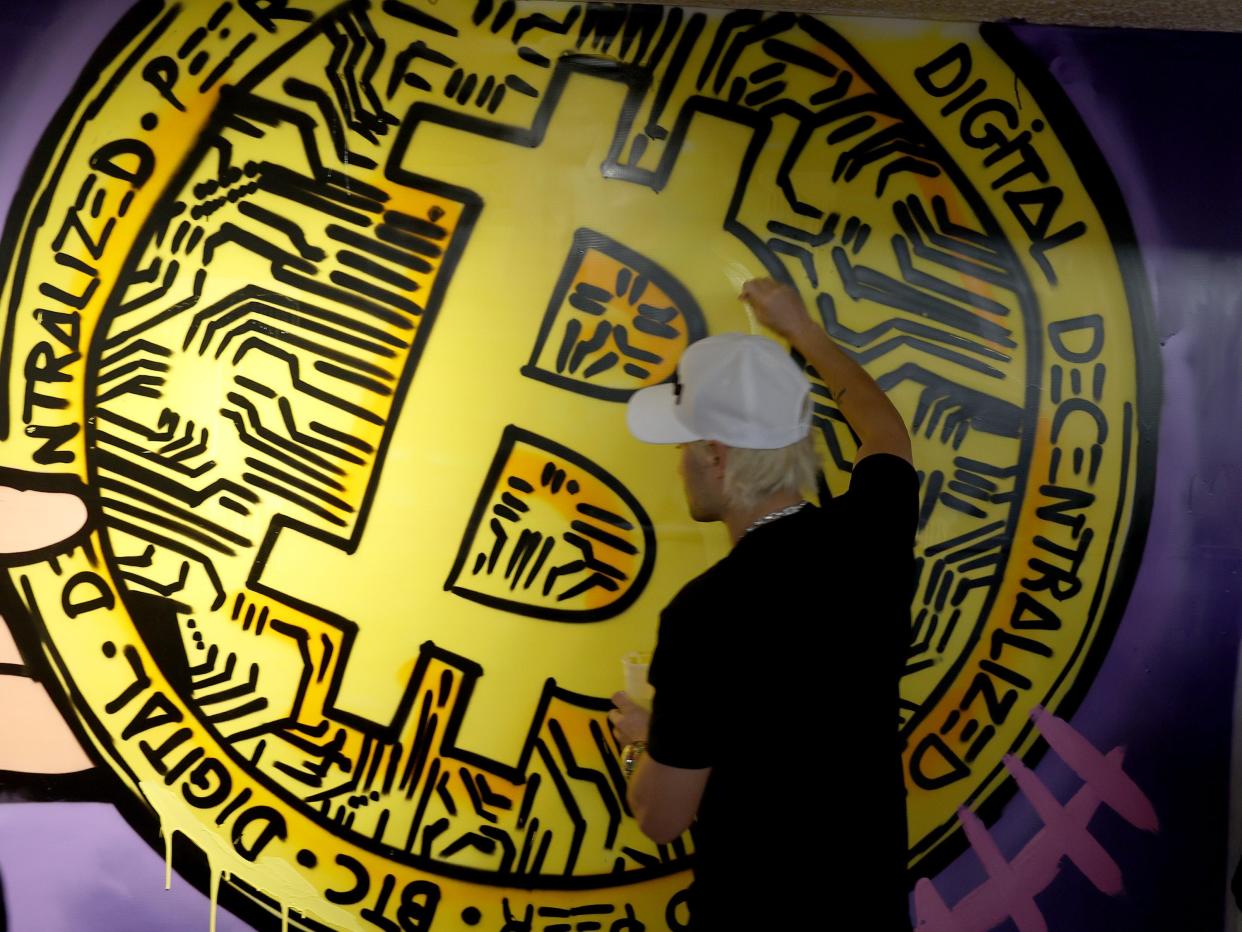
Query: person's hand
[[778, 307], [34, 737], [33, 521], [629, 720]]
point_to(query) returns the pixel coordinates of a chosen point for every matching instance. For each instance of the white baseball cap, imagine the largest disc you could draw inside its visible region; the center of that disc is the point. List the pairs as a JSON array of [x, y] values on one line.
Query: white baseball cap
[[739, 389]]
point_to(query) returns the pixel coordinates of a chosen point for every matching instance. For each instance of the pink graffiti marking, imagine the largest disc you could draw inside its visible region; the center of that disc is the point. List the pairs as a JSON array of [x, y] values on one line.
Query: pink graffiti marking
[[988, 905], [1004, 878], [1117, 790], [1011, 887], [931, 909], [1078, 844]]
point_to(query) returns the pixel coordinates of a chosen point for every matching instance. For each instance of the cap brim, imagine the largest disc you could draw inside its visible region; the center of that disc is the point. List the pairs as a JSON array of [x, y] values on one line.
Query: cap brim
[[651, 416]]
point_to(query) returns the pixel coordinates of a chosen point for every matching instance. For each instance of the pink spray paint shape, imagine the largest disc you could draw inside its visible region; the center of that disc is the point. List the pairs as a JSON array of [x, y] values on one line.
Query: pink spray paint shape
[[1011, 887]]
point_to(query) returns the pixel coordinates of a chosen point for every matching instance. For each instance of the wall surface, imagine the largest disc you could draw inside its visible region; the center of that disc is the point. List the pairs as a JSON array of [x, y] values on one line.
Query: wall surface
[[1214, 15], [321, 534]]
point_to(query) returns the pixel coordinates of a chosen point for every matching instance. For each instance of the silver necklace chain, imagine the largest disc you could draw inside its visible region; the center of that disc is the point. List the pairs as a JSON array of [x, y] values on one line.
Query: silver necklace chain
[[775, 515]]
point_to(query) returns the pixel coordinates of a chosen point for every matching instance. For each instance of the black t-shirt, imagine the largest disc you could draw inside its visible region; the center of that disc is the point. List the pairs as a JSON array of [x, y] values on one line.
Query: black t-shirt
[[778, 668]]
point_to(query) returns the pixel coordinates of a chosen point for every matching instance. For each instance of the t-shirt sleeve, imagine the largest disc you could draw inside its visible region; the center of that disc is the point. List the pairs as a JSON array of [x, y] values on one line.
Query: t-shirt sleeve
[[683, 711], [884, 500], [884, 493]]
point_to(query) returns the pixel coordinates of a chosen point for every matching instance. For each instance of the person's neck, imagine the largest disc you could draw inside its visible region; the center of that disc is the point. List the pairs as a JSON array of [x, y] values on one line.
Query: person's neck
[[740, 520]]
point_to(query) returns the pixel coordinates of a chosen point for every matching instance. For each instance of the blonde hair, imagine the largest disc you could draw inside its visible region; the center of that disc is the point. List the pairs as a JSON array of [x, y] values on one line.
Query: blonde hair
[[753, 475]]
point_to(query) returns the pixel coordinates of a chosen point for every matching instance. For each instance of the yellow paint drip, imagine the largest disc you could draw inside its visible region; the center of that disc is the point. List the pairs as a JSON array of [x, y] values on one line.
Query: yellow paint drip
[[215, 893], [279, 879], [168, 843]]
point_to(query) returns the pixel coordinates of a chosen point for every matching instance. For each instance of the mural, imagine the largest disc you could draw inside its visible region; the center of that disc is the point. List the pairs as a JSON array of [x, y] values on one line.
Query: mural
[[323, 533]]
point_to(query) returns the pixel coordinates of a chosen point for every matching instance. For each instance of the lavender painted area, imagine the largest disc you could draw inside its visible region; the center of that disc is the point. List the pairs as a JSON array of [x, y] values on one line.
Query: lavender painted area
[[34, 83], [70, 866], [1152, 102]]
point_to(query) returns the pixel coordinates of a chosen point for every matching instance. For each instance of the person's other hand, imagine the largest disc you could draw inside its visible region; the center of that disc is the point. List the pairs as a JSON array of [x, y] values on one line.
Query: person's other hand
[[629, 720], [777, 306], [34, 737]]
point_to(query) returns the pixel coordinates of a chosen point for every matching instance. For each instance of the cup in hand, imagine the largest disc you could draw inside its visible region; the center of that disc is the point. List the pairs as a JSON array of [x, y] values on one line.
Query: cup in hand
[[635, 664]]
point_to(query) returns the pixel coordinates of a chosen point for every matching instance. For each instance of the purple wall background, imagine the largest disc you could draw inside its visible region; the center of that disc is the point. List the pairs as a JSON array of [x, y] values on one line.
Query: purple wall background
[[1163, 109]]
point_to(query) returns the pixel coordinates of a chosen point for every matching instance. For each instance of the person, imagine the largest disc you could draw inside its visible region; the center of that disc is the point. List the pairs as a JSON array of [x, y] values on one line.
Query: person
[[773, 730]]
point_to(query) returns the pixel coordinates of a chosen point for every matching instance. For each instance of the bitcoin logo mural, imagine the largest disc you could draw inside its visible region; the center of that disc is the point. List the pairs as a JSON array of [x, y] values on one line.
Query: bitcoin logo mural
[[332, 309]]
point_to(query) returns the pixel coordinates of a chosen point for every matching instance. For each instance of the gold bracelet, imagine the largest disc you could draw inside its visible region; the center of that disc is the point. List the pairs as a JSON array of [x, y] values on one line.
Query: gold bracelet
[[630, 755]]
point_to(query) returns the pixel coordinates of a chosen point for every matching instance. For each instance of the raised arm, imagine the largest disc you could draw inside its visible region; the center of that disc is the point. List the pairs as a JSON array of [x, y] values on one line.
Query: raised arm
[[863, 403]]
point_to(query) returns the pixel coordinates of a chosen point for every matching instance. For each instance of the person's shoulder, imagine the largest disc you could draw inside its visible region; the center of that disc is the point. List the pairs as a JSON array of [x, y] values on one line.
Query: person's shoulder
[[682, 618], [882, 502], [709, 587], [883, 479], [884, 466]]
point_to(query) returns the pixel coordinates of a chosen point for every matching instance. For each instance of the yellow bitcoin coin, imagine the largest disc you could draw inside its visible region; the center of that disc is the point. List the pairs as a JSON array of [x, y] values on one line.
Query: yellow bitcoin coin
[[333, 308]]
